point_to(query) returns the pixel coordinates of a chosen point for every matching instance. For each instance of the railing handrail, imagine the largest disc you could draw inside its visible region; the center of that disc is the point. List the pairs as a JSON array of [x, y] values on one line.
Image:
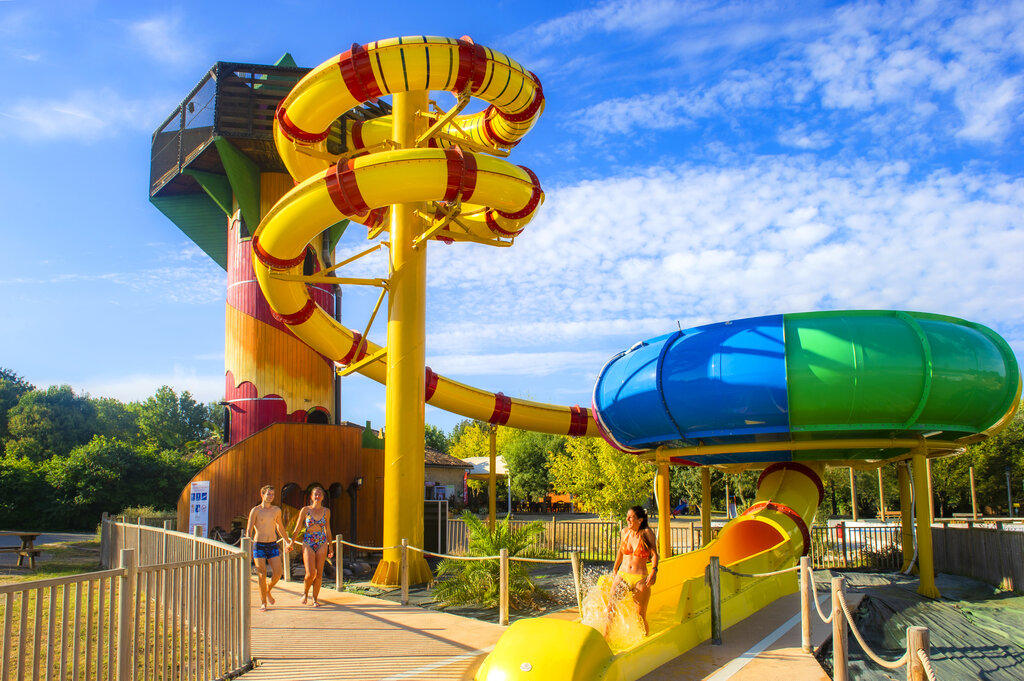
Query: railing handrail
[[60, 581]]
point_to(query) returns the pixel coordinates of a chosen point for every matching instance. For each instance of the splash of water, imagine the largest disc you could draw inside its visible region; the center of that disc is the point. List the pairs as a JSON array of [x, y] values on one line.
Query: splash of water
[[621, 627]]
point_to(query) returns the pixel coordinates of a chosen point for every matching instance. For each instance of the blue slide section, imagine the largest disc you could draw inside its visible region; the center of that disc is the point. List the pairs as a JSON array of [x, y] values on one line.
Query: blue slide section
[[719, 383]]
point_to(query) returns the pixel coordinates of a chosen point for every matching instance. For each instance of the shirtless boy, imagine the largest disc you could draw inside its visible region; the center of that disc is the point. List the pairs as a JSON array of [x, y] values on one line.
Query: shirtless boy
[[266, 518]]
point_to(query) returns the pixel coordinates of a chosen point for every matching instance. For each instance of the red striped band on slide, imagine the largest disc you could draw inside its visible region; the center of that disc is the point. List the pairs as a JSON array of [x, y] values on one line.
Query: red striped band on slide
[[502, 410], [271, 261], [492, 134], [357, 72], [299, 317], [527, 113], [531, 205], [344, 189], [498, 229], [429, 385], [472, 65], [794, 466], [294, 132], [357, 134], [461, 174], [351, 356], [789, 513], [577, 421]]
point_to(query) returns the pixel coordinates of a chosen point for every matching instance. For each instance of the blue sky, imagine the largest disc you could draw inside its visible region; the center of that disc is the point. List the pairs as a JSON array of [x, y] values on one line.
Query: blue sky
[[703, 161]]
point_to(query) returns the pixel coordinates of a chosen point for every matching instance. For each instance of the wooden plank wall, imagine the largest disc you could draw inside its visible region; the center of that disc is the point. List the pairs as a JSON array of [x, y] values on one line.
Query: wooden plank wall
[[991, 554], [303, 454]]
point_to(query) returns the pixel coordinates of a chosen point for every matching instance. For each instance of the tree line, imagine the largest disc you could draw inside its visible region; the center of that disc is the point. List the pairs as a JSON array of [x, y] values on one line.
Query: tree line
[[607, 482], [65, 458]]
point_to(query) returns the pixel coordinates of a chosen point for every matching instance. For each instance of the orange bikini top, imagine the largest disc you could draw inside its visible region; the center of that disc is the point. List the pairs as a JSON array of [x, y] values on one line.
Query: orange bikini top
[[641, 550]]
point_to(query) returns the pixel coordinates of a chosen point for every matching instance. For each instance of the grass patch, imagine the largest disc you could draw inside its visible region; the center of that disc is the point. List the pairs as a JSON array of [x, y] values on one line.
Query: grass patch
[[59, 559]]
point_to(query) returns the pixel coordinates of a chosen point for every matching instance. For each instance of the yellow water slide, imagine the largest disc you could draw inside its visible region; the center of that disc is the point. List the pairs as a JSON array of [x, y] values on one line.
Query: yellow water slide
[[770, 536], [465, 191]]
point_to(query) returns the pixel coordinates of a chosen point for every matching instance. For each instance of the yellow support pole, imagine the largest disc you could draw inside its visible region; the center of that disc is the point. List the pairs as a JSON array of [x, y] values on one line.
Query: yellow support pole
[[906, 515], [664, 511], [492, 481], [925, 559], [404, 420], [705, 505]]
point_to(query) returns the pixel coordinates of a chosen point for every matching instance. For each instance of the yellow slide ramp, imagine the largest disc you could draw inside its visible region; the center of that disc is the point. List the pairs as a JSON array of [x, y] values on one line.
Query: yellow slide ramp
[[770, 536], [453, 171]]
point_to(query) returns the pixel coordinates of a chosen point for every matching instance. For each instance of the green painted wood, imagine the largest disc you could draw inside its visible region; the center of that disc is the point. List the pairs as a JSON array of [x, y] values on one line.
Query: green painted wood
[[244, 176], [202, 221], [216, 185]]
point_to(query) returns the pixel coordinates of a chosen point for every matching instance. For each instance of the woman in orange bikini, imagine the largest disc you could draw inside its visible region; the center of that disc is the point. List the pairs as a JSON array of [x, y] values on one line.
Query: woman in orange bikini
[[637, 547], [316, 543]]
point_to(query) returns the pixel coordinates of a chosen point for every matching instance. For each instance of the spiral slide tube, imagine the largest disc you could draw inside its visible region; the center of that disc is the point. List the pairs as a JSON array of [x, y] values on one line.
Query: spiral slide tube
[[497, 199], [768, 537]]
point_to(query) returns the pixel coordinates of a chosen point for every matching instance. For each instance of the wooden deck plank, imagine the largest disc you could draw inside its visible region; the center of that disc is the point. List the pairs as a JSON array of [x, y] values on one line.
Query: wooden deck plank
[[356, 637]]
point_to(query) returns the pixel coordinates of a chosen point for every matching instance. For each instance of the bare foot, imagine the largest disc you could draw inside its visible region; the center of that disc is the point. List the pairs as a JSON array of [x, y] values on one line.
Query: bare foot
[[305, 599], [263, 608], [316, 604], [270, 598]]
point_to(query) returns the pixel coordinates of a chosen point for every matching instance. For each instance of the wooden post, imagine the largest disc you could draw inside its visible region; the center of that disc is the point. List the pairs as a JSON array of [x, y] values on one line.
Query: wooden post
[[404, 570], [917, 639], [974, 497], [840, 642], [925, 559], [339, 578], [705, 505], [714, 580], [853, 494], [577, 582], [126, 617], [806, 594], [244, 600], [503, 585], [881, 495], [104, 540], [166, 539], [906, 515], [286, 563]]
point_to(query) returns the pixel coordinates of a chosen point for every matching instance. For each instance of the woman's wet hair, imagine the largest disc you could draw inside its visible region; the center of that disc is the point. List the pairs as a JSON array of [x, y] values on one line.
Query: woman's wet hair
[[642, 515]]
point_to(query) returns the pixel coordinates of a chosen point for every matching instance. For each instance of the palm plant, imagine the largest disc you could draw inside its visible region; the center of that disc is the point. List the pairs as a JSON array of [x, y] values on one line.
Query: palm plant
[[478, 581]]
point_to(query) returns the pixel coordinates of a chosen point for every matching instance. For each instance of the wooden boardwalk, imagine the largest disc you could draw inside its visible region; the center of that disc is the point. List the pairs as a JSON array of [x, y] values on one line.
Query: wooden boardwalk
[[358, 638]]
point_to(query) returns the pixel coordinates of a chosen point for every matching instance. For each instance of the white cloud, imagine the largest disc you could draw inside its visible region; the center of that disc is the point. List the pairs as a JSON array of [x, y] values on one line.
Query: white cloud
[[629, 256], [199, 284], [162, 39], [82, 116], [515, 363], [800, 137], [136, 387]]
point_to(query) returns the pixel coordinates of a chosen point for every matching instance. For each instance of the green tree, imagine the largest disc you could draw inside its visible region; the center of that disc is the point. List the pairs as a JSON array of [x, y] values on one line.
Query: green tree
[[478, 581], [435, 438], [991, 459], [117, 420], [26, 495], [473, 438], [50, 423], [601, 479], [12, 387], [527, 454], [170, 421]]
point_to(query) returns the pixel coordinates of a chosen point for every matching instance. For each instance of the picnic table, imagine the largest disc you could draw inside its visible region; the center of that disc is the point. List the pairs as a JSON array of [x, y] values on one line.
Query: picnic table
[[25, 550]]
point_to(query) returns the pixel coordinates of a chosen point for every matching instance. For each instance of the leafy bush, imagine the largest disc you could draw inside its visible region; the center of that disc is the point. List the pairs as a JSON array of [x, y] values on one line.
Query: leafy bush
[[478, 581]]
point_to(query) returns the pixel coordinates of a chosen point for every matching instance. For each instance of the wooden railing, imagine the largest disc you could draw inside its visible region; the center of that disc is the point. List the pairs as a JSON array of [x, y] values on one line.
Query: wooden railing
[[174, 607]]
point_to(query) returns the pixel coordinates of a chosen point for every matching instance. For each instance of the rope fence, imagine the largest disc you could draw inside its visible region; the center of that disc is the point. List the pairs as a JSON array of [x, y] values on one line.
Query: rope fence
[[503, 560]]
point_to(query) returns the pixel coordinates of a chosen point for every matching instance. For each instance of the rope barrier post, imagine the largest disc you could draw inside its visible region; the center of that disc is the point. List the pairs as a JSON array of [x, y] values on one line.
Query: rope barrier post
[[840, 640], [404, 570], [713, 577], [806, 595], [339, 578], [126, 616], [286, 562], [576, 579], [503, 577], [245, 599], [917, 639]]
